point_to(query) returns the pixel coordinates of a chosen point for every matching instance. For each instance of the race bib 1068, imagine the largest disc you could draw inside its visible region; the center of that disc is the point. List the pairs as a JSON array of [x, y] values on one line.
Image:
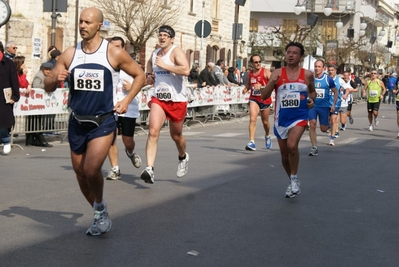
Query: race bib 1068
[[89, 80]]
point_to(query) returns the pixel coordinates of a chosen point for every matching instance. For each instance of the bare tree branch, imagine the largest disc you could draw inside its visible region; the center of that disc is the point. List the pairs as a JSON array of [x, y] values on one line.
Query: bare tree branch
[[139, 20]]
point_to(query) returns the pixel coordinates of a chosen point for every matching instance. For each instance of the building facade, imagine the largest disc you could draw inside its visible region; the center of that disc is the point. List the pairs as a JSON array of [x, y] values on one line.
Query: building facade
[[346, 43], [32, 29]]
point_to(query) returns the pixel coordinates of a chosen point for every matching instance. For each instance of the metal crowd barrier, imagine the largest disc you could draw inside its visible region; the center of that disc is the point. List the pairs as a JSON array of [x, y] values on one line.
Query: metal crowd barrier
[[43, 122]]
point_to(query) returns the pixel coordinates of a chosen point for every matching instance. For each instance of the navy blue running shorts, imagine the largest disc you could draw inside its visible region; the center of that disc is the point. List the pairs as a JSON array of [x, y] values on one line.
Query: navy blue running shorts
[[79, 136]]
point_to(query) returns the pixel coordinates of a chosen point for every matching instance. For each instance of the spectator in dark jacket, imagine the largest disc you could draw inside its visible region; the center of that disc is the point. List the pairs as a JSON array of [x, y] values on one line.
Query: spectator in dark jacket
[[8, 81], [205, 78], [231, 76]]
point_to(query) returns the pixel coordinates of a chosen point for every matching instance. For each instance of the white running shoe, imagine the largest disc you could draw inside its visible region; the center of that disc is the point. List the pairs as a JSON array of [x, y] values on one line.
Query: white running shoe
[[376, 121], [314, 151], [331, 142], [101, 223], [114, 175], [182, 167], [295, 189], [135, 158], [148, 175], [288, 192], [371, 128], [7, 148]]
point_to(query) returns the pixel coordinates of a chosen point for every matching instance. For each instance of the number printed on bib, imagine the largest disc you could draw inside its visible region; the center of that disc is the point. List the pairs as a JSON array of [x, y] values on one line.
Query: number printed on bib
[[89, 80], [164, 92], [320, 93], [373, 93], [290, 100], [256, 92]]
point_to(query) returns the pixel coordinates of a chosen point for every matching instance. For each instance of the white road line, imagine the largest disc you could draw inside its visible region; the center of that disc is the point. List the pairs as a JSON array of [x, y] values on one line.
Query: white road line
[[393, 144], [192, 133], [228, 134], [351, 141]]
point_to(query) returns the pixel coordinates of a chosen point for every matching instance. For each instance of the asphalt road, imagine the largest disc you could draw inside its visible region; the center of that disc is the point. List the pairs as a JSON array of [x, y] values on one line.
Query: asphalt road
[[230, 207]]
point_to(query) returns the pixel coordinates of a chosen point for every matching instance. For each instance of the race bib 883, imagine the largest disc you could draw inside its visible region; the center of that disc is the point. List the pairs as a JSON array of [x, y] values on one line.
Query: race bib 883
[[89, 80]]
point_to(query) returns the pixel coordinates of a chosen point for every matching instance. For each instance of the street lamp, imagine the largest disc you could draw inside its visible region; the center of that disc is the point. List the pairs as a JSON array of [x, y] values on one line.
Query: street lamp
[[313, 19]]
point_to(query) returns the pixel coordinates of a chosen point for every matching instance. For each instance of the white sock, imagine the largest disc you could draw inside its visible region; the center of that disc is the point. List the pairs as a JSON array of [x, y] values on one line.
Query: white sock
[[294, 176], [99, 206], [115, 168]]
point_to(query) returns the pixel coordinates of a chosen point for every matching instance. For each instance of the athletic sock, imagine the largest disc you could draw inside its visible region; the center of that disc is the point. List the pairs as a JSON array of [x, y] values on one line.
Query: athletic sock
[[332, 137], [115, 168], [293, 176], [343, 125], [98, 206], [182, 158], [128, 153]]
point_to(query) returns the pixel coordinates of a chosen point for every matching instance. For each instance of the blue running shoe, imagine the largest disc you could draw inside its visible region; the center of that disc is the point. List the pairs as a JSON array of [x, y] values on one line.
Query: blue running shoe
[[250, 146], [268, 142]]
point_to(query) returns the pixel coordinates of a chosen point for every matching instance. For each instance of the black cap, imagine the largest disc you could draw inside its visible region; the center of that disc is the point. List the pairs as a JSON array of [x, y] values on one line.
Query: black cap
[[47, 65]]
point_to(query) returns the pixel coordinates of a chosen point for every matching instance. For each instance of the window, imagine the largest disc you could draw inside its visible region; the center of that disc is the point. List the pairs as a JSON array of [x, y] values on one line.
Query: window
[[334, 4], [215, 9], [253, 25], [329, 30], [191, 6], [290, 25]]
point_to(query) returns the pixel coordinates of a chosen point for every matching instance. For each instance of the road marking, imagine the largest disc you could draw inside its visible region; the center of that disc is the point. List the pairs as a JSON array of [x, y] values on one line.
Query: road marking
[[192, 133], [228, 134], [393, 144], [352, 141]]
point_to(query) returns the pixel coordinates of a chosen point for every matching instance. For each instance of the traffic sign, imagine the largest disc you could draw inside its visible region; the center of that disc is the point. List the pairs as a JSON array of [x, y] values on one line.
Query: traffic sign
[[207, 28]]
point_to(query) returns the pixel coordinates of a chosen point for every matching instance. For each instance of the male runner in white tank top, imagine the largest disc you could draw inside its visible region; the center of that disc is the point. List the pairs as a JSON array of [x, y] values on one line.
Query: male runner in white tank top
[[93, 66], [166, 70]]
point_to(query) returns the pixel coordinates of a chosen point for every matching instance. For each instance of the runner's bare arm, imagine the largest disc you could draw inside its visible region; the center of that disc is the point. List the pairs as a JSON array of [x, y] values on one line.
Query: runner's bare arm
[[60, 71], [149, 71], [311, 89], [267, 92], [123, 61], [178, 57]]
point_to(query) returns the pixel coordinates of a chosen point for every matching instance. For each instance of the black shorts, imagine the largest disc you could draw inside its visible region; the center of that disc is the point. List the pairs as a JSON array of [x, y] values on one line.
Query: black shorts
[[126, 126], [349, 107], [397, 105], [373, 106]]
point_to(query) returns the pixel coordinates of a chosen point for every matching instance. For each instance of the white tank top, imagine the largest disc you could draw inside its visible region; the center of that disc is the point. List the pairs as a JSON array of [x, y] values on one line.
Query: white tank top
[[168, 86], [133, 108]]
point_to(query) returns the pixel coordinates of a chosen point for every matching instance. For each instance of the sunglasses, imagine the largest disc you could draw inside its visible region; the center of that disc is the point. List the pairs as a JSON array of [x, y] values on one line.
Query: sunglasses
[[257, 62], [15, 48]]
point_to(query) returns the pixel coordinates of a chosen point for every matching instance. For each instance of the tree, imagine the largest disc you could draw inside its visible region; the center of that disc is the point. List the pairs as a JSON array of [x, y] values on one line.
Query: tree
[[274, 40], [139, 20]]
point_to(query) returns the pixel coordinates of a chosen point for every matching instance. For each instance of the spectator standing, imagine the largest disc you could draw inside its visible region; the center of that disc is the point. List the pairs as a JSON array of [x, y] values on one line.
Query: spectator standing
[[8, 81], [218, 71], [205, 78], [391, 86], [244, 75], [11, 50], [37, 139], [231, 77], [54, 55]]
